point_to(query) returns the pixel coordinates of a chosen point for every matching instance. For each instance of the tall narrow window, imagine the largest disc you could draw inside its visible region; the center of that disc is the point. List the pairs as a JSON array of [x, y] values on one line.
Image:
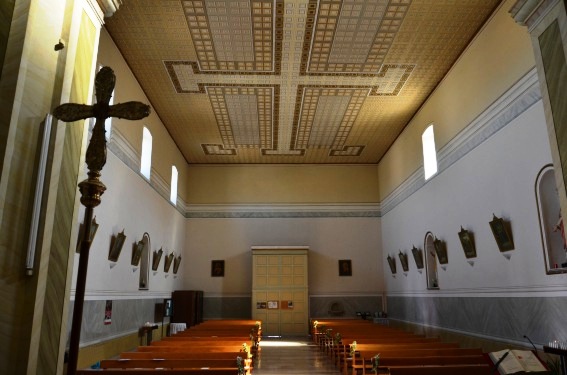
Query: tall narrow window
[[146, 153], [173, 195], [429, 152]]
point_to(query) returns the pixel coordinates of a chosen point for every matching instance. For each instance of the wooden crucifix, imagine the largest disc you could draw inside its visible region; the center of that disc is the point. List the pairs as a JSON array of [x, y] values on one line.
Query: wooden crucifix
[[92, 188]]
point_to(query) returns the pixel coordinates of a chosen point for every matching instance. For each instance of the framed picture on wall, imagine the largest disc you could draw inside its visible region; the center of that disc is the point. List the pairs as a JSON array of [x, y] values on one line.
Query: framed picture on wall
[[217, 268], [441, 251], [467, 242], [94, 228], [418, 257], [116, 246], [156, 258], [176, 263], [392, 264], [404, 261], [345, 267], [501, 234], [168, 261], [137, 253]]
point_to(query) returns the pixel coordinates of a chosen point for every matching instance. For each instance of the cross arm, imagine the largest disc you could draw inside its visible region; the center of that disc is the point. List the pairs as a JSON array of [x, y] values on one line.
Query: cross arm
[[129, 110], [73, 112]]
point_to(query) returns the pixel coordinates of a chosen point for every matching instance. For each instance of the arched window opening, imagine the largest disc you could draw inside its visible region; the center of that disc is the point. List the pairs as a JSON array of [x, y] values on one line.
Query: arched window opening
[[430, 262], [146, 164], [174, 177], [429, 152], [551, 221]]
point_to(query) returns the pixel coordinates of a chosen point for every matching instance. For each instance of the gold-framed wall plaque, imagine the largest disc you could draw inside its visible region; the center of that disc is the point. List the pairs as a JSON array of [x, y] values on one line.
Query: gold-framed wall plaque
[[138, 251], [467, 241], [502, 233], [392, 264], [176, 264], [167, 263], [440, 250], [94, 228], [116, 246], [156, 258], [404, 261], [418, 257]]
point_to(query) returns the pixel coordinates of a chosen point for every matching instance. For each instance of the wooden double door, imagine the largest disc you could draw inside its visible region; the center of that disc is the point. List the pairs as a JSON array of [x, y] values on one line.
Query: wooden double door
[[280, 297]]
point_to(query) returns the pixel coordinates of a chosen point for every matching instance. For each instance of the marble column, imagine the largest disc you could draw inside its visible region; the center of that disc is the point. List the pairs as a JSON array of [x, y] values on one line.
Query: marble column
[[36, 77], [546, 21]]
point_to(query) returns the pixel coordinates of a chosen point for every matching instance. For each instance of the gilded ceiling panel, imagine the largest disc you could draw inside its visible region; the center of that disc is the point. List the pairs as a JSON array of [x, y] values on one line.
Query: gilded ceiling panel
[[291, 81]]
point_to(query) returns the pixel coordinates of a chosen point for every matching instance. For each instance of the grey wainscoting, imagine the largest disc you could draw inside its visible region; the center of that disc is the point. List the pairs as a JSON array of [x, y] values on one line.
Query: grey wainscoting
[[227, 308], [343, 306], [499, 318], [128, 316]]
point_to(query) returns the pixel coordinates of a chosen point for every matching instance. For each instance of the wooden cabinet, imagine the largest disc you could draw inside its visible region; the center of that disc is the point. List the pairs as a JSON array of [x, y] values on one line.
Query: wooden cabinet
[[280, 295], [187, 307]]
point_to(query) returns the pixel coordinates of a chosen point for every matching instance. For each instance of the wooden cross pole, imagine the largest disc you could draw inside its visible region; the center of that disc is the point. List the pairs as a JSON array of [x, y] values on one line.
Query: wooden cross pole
[[92, 188]]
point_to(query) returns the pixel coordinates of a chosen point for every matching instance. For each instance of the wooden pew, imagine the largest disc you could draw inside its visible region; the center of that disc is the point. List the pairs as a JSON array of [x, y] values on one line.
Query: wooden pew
[[362, 361], [337, 350], [176, 371], [210, 348], [181, 355], [202, 343], [167, 363], [346, 360], [443, 370], [363, 364], [327, 341], [111, 364], [177, 348]]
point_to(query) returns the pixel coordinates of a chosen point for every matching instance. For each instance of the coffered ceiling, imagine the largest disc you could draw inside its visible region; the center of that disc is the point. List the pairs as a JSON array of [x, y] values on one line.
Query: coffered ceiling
[[291, 81]]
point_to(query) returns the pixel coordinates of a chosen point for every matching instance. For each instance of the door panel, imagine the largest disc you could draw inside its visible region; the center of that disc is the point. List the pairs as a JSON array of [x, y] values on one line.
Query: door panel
[[280, 277]]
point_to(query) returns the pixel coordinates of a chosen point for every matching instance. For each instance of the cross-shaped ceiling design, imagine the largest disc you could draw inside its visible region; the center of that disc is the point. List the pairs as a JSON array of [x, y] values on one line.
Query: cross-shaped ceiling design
[[291, 81]]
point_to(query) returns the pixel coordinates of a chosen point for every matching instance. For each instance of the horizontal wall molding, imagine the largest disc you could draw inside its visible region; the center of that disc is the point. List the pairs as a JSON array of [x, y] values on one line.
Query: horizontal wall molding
[[344, 294], [316, 295], [523, 95], [252, 211], [553, 290], [101, 295]]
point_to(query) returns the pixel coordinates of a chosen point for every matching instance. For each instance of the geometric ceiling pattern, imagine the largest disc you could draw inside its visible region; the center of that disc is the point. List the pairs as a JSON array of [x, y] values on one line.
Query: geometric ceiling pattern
[[291, 81]]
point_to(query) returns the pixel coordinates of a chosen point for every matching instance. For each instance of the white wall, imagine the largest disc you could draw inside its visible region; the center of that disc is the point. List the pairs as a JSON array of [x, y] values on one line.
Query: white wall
[[497, 177], [329, 239], [130, 203]]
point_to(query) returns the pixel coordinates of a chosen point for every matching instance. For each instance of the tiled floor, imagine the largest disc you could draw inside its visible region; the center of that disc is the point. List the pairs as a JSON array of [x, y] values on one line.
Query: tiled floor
[[295, 355]]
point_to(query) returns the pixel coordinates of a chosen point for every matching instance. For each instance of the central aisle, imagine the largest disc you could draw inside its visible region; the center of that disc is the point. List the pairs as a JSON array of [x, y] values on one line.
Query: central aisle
[[292, 355]]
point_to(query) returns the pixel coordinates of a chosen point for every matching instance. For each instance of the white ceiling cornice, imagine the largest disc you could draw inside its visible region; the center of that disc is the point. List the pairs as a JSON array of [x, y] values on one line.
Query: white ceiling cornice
[[530, 12], [109, 7]]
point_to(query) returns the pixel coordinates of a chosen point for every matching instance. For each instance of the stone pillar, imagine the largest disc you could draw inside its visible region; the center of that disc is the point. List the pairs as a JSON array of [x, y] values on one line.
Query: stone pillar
[[36, 77], [546, 21]]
